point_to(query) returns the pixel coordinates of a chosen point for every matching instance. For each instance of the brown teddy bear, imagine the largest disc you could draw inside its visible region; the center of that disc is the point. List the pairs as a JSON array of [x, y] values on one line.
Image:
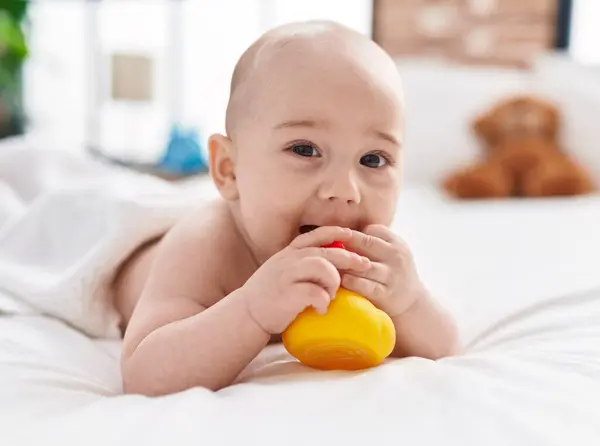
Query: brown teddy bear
[[522, 156]]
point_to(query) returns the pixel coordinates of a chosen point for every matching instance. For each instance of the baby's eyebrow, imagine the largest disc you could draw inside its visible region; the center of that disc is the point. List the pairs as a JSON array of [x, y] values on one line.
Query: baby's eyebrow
[[386, 137], [300, 123]]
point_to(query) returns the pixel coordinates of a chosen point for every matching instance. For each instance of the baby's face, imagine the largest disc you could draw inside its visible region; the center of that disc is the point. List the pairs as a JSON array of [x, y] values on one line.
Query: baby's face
[[322, 146]]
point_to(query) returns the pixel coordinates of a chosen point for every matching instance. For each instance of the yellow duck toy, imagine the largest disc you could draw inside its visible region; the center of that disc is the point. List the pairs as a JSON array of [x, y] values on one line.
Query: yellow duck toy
[[352, 335]]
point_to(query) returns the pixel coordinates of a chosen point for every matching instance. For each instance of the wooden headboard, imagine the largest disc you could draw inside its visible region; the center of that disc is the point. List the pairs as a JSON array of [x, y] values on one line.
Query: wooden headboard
[[496, 32]]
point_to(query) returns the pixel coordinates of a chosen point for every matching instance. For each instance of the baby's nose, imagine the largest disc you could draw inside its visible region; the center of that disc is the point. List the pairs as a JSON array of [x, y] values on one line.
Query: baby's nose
[[341, 189]]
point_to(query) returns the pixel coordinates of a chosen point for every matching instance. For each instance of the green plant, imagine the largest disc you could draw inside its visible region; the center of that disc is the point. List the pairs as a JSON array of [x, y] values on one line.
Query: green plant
[[13, 52]]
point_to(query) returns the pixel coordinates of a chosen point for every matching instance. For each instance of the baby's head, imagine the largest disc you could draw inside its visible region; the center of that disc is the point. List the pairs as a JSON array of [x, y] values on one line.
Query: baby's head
[[314, 134]]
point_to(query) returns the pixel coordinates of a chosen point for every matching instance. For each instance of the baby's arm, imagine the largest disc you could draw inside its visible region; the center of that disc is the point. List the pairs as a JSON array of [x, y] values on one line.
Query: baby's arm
[[426, 330], [423, 327], [176, 338], [182, 334]]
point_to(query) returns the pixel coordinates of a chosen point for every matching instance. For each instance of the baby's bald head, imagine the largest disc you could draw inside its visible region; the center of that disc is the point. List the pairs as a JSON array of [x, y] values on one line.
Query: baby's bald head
[[303, 43]]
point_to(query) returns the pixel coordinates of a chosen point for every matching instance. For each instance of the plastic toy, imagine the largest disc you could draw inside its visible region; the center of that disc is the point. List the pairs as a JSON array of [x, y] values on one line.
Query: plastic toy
[[352, 335], [182, 158], [183, 155]]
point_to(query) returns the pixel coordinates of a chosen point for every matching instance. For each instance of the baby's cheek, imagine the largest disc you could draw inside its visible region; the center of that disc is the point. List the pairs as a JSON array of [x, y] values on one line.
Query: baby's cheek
[[289, 193], [382, 209], [267, 219]]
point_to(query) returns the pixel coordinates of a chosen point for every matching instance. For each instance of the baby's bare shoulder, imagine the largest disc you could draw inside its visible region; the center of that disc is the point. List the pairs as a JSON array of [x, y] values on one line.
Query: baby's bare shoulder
[[194, 255], [191, 271]]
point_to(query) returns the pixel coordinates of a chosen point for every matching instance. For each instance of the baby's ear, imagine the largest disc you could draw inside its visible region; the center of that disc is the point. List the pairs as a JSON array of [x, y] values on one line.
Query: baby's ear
[[222, 166]]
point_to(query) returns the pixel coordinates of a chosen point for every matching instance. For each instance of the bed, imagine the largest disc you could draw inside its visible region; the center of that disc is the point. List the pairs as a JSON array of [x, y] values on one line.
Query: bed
[[522, 278]]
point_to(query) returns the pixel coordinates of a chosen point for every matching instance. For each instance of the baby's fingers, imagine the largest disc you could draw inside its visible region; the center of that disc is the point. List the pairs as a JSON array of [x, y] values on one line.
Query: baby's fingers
[[374, 291], [311, 295], [317, 271], [344, 260]]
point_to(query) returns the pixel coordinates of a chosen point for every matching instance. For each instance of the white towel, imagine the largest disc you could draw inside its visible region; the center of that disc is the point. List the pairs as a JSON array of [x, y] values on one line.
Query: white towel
[[66, 224]]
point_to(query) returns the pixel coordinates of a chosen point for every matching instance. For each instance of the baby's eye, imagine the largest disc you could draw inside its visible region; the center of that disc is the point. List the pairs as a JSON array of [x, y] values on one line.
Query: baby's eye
[[305, 150], [373, 160]]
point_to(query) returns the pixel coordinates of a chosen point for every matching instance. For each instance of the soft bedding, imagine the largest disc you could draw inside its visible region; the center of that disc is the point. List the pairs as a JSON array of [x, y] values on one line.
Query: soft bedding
[[522, 277]]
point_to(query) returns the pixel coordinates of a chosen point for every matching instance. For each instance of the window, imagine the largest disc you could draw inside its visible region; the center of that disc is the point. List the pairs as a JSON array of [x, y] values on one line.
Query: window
[[184, 50], [585, 31]]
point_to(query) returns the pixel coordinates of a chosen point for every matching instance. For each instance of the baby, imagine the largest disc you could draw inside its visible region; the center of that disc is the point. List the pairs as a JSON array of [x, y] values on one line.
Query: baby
[[312, 154]]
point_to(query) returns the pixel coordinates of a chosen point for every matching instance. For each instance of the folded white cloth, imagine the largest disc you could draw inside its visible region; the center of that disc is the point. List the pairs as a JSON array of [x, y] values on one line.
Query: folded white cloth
[[66, 224]]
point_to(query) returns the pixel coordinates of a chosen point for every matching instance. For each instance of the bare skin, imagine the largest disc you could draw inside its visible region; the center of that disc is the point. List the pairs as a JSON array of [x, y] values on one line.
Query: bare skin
[[314, 137]]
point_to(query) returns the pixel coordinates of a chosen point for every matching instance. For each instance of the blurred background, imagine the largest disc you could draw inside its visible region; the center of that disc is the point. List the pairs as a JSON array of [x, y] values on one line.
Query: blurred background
[[117, 77]]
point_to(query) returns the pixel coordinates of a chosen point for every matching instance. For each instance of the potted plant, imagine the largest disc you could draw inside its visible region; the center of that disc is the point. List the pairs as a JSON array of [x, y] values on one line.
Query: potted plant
[[13, 52]]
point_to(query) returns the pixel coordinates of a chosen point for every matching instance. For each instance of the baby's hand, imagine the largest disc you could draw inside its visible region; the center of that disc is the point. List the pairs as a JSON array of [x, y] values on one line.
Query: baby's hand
[[391, 282], [301, 275]]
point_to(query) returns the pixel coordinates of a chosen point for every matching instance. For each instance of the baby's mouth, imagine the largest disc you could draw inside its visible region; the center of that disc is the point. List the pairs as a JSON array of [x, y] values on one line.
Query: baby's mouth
[[307, 228]]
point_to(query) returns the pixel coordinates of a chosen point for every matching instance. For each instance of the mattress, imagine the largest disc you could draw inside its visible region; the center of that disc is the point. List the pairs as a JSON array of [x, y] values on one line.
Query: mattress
[[521, 277]]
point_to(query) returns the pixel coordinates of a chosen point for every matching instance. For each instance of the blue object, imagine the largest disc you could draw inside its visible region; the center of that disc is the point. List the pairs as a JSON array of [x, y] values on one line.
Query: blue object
[[183, 155]]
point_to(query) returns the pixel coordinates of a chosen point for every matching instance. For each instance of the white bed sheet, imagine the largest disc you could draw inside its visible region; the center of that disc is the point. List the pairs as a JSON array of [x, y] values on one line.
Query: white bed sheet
[[523, 279]]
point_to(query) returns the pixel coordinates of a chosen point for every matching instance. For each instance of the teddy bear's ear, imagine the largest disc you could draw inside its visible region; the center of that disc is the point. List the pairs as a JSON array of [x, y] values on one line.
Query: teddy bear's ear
[[552, 121], [485, 128], [547, 114]]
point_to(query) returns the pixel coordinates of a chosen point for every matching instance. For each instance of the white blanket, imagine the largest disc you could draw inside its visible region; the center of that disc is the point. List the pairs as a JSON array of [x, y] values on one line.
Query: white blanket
[[523, 279], [65, 226]]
